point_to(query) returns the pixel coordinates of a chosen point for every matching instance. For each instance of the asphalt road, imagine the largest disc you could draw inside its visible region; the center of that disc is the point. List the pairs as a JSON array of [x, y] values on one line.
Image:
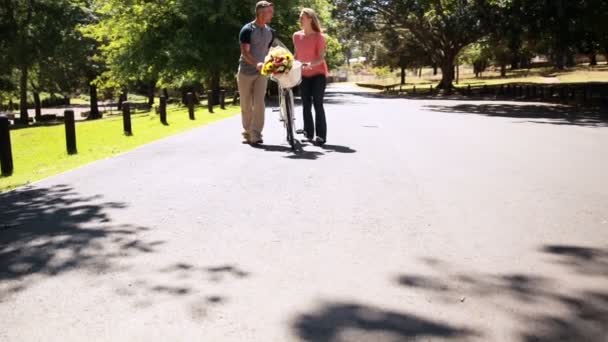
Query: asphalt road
[[420, 220]]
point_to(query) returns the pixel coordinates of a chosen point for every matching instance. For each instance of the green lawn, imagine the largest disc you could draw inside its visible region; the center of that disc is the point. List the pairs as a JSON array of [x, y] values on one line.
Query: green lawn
[[579, 74], [40, 152]]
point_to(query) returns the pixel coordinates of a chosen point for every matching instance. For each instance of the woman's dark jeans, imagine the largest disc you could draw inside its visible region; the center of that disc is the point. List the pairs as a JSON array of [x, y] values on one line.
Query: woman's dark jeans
[[312, 90]]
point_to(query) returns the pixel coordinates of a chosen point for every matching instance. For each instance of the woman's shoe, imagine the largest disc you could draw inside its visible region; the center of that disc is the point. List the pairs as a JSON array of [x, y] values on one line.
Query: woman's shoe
[[319, 141]]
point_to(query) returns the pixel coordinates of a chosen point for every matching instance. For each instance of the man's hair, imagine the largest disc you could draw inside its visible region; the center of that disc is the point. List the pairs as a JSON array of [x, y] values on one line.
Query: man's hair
[[261, 5]]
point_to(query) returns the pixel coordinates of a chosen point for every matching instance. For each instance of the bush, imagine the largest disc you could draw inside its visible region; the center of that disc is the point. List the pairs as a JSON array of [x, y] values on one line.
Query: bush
[[53, 101], [357, 68], [382, 72]]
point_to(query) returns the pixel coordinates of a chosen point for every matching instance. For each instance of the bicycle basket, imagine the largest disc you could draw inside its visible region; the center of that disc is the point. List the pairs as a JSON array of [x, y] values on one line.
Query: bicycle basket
[[291, 78]]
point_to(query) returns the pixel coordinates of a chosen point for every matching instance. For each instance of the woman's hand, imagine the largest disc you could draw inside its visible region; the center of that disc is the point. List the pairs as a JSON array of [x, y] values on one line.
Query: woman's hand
[[307, 66]]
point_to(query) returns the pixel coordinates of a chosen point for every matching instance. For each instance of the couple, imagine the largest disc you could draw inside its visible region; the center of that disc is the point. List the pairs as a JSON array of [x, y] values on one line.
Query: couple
[[256, 38]]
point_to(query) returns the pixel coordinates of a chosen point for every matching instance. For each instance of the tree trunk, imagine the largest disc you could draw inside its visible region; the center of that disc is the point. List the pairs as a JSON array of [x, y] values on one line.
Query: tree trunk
[[215, 87], [570, 62], [592, 59], [166, 93], [94, 114], [23, 115], [434, 69], [151, 91], [420, 73], [184, 91], [402, 75], [38, 106], [447, 74], [503, 70], [457, 73], [559, 61]]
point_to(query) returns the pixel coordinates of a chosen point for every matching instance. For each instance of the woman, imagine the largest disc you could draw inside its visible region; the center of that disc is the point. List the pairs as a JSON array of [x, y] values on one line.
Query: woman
[[309, 46]]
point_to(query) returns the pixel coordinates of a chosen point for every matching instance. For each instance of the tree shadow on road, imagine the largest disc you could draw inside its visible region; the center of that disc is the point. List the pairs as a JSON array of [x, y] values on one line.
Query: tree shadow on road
[[356, 322], [548, 113], [46, 231], [181, 282], [583, 315]]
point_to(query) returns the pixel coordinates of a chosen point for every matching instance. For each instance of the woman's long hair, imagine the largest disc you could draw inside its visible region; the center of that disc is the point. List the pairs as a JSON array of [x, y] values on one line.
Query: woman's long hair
[[316, 23]]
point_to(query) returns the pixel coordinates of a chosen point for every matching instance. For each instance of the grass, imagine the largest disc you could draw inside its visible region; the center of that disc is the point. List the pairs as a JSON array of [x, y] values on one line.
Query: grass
[[579, 74], [40, 152]]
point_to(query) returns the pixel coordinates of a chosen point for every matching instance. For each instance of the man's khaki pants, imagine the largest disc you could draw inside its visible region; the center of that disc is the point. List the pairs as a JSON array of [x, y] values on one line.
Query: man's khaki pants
[[252, 90]]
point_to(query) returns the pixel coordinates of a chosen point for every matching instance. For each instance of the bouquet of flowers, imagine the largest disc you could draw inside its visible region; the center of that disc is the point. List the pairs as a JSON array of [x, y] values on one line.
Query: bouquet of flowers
[[278, 61]]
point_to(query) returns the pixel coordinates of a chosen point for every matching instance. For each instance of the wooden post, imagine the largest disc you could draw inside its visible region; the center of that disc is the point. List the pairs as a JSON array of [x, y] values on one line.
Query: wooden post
[[121, 99], [6, 153], [210, 101], [126, 118], [163, 110], [70, 132], [223, 98], [190, 104]]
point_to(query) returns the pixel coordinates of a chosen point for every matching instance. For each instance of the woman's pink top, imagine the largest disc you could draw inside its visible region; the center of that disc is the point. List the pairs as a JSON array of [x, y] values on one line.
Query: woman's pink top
[[308, 49]]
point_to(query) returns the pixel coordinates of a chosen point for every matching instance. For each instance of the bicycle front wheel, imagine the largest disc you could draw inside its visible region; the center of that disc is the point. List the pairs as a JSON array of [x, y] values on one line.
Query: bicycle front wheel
[[288, 103]]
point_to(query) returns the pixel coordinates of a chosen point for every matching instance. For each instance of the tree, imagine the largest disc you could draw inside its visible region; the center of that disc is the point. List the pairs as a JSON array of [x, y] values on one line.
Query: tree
[[401, 51], [442, 28], [35, 30]]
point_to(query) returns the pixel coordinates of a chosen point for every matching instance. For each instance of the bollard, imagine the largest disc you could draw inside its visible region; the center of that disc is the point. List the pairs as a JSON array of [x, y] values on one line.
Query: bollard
[[126, 118], [6, 153], [121, 99], [485, 89], [190, 104], [469, 90], [414, 90], [210, 101], [223, 98], [163, 110], [70, 132], [502, 89]]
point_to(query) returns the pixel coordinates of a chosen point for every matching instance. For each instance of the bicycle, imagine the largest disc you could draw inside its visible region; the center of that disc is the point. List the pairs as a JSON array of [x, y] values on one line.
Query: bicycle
[[286, 83]]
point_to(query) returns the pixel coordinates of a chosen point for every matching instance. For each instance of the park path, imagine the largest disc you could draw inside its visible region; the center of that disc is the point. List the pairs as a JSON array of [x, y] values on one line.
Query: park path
[[420, 220]]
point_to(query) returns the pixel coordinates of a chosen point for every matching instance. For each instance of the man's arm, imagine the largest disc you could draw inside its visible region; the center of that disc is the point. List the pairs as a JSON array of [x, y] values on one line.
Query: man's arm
[[246, 52], [245, 39]]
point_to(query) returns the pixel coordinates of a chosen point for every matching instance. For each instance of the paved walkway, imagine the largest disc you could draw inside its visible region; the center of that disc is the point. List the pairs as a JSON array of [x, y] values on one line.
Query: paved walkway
[[420, 220]]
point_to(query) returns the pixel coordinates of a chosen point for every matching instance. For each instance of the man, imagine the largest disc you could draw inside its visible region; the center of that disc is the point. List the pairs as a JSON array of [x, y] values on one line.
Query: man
[[256, 38]]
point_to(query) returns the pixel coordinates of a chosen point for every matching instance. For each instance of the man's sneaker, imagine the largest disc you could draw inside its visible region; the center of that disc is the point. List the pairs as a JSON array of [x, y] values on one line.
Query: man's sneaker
[[256, 141]]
